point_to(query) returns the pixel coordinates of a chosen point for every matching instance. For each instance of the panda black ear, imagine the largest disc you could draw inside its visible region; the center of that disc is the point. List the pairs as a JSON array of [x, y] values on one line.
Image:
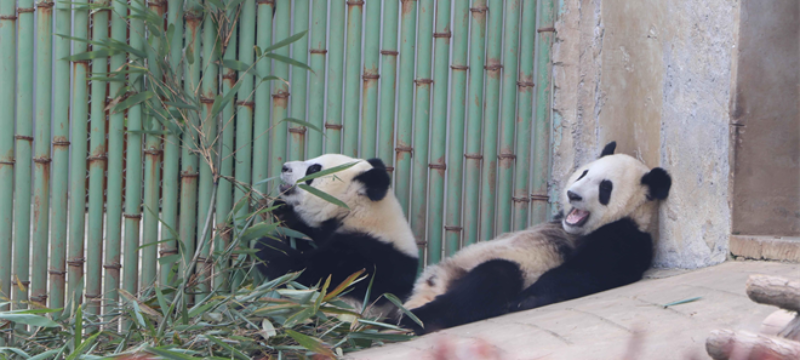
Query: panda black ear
[[376, 180], [609, 149], [658, 181], [377, 163]]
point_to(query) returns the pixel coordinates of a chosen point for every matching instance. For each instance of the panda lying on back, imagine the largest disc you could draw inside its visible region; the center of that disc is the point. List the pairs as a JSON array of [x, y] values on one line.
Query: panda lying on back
[[372, 235], [602, 243]]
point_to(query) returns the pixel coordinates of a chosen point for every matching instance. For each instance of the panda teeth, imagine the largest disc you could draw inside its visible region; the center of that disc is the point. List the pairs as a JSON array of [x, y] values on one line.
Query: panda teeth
[[577, 217]]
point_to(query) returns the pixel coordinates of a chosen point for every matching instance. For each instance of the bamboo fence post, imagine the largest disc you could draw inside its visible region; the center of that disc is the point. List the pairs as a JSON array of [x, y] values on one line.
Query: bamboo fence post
[[116, 138], [369, 107], [438, 164], [475, 116], [262, 121], [387, 84], [507, 156], [316, 96], [455, 163], [525, 85], [24, 137], [333, 116], [405, 103], [8, 20], [494, 39], [172, 149], [133, 168], [208, 139], [422, 119], [41, 159], [352, 74], [541, 143], [280, 91], [297, 134], [60, 141]]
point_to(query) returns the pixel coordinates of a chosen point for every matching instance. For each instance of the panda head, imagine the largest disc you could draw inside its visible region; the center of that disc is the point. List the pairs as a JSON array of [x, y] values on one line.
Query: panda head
[[363, 187], [609, 189]]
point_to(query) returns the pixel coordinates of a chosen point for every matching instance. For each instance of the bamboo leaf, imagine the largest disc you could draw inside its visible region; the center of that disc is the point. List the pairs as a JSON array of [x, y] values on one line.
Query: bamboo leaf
[[46, 355], [29, 319], [80, 349], [304, 123], [325, 196], [133, 100], [258, 231], [221, 102], [288, 60], [394, 300], [326, 172], [267, 330], [313, 344], [182, 105], [285, 42], [90, 55], [379, 336], [16, 351], [347, 282], [170, 354], [236, 353]]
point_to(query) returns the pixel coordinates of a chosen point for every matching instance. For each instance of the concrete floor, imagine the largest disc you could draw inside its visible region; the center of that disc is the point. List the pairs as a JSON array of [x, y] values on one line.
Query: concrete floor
[[603, 325]]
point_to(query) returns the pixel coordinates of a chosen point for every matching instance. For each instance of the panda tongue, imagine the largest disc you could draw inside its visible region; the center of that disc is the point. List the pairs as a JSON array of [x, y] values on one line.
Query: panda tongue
[[576, 215]]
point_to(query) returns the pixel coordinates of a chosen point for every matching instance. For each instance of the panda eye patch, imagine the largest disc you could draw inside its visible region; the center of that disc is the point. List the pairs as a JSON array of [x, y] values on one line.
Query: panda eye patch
[[312, 169], [582, 175], [605, 191]]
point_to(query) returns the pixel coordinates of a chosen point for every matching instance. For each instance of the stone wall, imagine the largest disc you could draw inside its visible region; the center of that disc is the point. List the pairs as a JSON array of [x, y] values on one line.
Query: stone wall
[[656, 76]]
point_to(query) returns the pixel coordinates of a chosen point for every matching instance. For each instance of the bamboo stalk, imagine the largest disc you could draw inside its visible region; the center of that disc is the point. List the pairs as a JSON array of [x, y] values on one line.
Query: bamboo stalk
[[369, 108], [244, 105], [525, 113], [494, 39], [505, 176], [208, 139], [24, 137], [438, 164], [133, 168], [316, 96], [280, 91], [455, 163], [541, 144], [422, 119], [60, 141], [97, 166], [405, 102], [297, 134], [352, 74], [475, 115], [262, 110], [7, 76], [387, 84], [172, 150], [333, 117], [41, 176]]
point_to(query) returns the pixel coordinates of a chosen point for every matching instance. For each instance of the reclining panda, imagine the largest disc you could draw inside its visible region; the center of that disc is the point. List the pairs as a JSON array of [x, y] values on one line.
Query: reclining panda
[[602, 243], [372, 234]]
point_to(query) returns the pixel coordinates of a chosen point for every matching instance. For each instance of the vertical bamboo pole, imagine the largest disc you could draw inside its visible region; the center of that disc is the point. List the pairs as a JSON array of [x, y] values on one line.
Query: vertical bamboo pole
[[493, 66], [422, 107], [455, 163], [97, 166], [41, 176], [208, 139], [525, 113], [280, 91], [352, 72], [541, 143], [7, 76], [297, 134], [262, 110], [244, 105], [316, 96], [187, 221], [388, 83], [505, 177], [438, 165], [225, 187], [369, 108], [22, 186], [60, 198], [475, 116], [133, 168], [172, 150], [116, 137], [333, 121], [152, 171], [405, 102]]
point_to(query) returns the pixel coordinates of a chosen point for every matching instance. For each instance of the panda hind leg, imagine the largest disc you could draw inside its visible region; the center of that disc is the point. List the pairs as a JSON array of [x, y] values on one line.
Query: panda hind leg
[[481, 293]]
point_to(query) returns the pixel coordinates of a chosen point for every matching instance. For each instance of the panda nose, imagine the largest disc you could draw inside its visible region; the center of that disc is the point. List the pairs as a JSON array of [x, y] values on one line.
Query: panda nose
[[573, 196], [286, 169]]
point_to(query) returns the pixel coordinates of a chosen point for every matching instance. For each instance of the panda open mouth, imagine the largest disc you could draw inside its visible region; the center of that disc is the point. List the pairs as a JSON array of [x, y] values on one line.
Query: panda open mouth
[[577, 217], [286, 189]]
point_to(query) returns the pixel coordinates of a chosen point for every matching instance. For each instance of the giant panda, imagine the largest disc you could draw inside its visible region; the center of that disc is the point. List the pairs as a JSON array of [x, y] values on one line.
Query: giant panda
[[372, 234], [602, 243]]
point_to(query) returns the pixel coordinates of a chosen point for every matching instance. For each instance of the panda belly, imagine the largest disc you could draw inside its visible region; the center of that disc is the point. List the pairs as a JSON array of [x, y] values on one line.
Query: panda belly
[[534, 251]]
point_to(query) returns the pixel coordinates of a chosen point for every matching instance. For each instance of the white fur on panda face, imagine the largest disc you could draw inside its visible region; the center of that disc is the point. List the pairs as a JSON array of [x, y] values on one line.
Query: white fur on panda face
[[619, 177]]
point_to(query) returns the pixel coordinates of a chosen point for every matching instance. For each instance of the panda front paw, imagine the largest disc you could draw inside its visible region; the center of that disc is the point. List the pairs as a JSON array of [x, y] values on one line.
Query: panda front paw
[[277, 258], [527, 303]]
